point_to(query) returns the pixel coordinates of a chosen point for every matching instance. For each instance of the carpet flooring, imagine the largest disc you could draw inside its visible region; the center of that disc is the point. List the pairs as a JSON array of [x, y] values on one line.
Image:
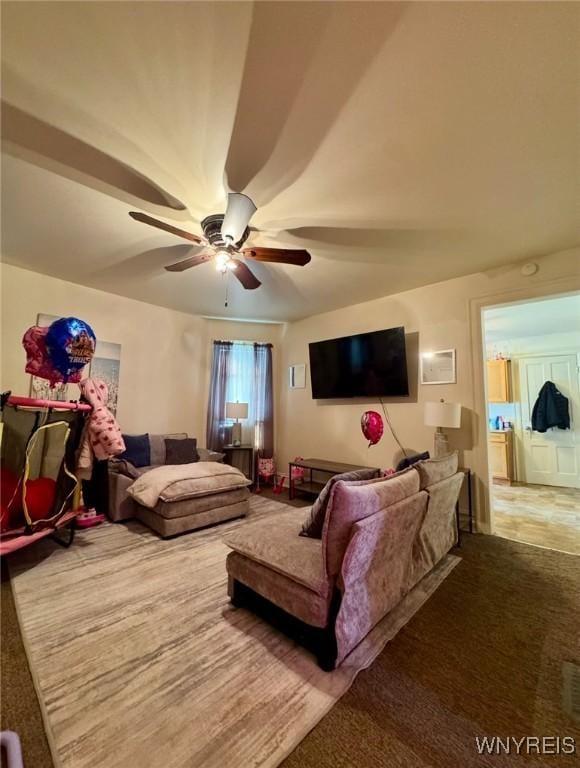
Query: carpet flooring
[[490, 653], [125, 629]]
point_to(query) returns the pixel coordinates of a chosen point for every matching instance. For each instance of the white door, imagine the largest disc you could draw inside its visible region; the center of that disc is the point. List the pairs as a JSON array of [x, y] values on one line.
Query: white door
[[551, 458]]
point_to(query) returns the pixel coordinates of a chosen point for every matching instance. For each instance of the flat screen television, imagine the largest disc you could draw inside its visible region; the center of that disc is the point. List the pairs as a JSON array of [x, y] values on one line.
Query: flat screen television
[[365, 365]]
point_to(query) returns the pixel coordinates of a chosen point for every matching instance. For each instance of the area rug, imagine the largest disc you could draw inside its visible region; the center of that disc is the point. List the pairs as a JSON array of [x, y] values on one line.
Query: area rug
[[140, 660]]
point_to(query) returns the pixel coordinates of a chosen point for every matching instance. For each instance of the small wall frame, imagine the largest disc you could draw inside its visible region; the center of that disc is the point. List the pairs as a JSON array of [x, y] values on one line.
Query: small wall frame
[[438, 367], [297, 376]]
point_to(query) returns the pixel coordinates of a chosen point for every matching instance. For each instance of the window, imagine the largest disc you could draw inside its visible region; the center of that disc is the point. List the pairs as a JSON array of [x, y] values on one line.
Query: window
[[241, 372]]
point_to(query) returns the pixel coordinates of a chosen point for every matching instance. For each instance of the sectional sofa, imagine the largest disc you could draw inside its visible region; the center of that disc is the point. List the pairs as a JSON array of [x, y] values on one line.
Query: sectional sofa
[[379, 538]]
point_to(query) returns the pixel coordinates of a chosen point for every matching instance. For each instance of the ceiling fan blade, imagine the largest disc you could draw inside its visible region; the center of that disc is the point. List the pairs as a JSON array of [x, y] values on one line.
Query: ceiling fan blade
[[145, 219], [237, 216], [191, 261], [245, 275], [278, 255]]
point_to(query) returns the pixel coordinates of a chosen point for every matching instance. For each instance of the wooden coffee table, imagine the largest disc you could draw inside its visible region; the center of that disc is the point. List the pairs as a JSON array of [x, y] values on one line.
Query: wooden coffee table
[[322, 466]]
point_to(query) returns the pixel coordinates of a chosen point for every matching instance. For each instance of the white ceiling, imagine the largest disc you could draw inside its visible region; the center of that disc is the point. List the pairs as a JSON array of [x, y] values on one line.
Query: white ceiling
[[402, 144], [533, 318]]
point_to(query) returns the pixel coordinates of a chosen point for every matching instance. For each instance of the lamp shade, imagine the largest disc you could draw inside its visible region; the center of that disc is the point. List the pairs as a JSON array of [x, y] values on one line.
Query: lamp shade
[[443, 415], [239, 212], [236, 410]]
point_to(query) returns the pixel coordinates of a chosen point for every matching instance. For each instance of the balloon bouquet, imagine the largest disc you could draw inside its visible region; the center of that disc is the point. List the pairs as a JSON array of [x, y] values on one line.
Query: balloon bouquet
[[57, 353], [60, 351]]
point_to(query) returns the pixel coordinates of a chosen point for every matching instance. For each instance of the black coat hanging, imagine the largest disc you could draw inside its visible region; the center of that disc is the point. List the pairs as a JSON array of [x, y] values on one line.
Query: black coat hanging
[[550, 409]]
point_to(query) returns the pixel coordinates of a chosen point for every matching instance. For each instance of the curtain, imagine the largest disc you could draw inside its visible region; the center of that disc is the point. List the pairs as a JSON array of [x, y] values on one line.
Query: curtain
[[264, 407], [216, 436], [242, 373]]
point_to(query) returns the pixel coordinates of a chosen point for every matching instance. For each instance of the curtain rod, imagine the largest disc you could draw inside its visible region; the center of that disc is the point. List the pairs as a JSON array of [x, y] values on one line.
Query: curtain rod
[[248, 343]]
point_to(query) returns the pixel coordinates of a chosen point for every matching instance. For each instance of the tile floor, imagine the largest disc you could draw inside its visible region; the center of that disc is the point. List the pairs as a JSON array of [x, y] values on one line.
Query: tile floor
[[538, 514]]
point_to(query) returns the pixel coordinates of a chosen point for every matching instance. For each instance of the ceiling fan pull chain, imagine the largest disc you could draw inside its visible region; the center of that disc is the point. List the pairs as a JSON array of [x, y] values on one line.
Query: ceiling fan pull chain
[[226, 274]]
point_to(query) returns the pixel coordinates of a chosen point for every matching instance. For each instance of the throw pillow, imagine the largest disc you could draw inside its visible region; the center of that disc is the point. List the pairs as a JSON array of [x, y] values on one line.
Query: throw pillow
[[408, 461], [314, 523], [137, 450], [181, 451]]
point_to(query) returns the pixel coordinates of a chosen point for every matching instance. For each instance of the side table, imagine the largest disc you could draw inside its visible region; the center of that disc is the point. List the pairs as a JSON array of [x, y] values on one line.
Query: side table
[[467, 476], [246, 452]]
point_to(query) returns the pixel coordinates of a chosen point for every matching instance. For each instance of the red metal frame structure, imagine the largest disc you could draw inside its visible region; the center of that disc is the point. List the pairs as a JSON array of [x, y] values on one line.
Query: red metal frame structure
[[16, 539]]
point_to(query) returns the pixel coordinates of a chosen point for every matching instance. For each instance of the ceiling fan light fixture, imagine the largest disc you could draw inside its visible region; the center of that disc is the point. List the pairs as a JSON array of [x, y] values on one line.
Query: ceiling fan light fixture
[[222, 260], [237, 216]]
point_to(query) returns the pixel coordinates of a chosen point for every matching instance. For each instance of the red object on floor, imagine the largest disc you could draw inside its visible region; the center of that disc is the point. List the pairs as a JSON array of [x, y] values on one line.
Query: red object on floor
[[40, 494], [88, 522], [17, 539], [280, 485]]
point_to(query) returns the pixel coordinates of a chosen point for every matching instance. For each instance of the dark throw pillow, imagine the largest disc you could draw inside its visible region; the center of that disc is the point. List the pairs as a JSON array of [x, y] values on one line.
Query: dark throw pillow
[[408, 461], [315, 521], [137, 450], [181, 451]]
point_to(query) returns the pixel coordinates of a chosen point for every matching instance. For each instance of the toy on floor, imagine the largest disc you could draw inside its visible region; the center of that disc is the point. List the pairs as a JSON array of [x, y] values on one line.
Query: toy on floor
[[87, 518], [266, 472]]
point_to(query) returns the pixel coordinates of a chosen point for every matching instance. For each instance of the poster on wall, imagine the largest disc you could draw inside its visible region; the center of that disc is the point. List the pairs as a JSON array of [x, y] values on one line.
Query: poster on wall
[[106, 365]]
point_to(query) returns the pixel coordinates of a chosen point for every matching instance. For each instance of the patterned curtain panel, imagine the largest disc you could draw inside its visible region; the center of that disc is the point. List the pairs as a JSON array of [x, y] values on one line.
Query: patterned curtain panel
[[216, 423], [264, 402]]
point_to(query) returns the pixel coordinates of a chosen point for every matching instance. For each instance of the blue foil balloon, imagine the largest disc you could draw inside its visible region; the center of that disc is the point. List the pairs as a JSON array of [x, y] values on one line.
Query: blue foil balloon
[[70, 344]]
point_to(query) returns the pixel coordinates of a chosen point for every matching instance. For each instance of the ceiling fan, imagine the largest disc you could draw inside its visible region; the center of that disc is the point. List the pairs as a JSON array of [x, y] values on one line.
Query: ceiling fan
[[223, 238]]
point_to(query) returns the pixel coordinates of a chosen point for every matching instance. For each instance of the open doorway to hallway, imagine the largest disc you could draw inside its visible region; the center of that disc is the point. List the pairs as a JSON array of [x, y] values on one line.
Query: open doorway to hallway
[[532, 363]]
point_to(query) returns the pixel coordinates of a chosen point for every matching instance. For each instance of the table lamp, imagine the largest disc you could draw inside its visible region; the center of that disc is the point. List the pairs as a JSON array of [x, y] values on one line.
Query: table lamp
[[237, 411], [441, 415]]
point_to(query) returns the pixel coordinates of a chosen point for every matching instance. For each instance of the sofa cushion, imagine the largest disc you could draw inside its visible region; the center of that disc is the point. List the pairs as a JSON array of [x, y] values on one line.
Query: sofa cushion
[[199, 504], [435, 470], [181, 451], [137, 450], [276, 544], [314, 522], [157, 443], [206, 455], [128, 469], [350, 502], [294, 598], [173, 482]]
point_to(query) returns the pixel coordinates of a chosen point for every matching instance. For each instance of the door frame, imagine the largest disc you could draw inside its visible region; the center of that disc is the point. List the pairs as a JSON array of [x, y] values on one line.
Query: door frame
[[548, 289]]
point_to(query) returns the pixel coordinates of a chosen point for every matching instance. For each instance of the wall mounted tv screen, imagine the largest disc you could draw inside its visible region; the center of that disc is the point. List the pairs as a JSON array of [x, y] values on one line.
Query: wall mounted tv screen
[[366, 365]]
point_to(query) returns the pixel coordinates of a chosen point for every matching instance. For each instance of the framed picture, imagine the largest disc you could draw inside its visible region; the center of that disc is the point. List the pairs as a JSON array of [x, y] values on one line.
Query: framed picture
[[438, 367], [297, 376], [106, 364]]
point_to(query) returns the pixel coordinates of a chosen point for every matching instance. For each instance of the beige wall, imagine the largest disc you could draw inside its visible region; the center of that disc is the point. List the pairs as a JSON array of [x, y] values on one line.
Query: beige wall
[[441, 316], [165, 355]]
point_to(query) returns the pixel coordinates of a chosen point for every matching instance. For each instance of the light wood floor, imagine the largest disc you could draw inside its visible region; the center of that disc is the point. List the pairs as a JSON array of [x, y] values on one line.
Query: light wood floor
[[538, 514]]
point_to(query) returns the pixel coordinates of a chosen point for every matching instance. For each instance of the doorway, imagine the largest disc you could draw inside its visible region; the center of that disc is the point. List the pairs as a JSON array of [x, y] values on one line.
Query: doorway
[[534, 475]]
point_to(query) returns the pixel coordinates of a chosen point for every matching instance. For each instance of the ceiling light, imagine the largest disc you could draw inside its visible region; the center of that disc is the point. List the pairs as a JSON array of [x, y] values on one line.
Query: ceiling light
[[222, 259]]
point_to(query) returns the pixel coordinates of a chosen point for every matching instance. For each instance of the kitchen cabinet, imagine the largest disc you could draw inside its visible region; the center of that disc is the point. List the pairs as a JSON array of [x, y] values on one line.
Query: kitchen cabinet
[[499, 385], [501, 456]]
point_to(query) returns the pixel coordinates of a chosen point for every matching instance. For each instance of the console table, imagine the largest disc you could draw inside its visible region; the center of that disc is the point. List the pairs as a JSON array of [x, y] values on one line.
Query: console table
[[329, 468]]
